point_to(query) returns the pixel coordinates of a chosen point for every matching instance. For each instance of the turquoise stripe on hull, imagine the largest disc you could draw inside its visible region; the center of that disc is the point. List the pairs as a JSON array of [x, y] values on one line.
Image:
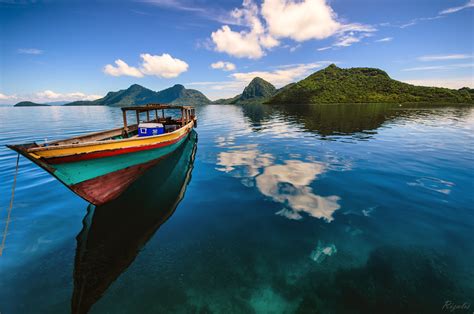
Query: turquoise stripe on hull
[[76, 172]]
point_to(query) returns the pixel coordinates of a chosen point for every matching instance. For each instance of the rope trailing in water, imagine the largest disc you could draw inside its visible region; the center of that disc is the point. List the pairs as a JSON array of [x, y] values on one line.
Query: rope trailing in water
[[5, 231]]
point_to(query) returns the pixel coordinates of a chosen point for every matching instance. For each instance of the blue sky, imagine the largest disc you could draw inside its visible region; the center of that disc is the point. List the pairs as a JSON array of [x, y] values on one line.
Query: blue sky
[[69, 50]]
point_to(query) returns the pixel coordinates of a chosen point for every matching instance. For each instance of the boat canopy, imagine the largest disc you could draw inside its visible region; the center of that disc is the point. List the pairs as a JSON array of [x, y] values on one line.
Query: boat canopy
[[187, 113]]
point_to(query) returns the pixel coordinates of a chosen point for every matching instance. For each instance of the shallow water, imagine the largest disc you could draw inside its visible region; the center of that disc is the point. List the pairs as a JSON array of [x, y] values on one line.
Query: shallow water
[[324, 208]]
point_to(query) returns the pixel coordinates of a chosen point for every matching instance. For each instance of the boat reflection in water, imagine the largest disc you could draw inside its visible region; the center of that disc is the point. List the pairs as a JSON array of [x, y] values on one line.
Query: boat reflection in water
[[114, 233]]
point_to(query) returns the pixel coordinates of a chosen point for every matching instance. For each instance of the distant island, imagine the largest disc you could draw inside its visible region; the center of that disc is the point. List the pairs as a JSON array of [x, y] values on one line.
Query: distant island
[[29, 104], [139, 95], [329, 85]]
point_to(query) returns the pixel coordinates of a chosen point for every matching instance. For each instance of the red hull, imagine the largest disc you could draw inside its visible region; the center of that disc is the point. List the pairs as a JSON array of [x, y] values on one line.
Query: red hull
[[103, 189]]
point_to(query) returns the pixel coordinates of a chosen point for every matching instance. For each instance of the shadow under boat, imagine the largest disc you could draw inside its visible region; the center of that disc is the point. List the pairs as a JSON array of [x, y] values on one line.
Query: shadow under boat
[[114, 233]]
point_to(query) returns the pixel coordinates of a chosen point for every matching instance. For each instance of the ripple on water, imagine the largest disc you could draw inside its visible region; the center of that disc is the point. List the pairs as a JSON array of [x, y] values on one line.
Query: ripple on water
[[433, 184]]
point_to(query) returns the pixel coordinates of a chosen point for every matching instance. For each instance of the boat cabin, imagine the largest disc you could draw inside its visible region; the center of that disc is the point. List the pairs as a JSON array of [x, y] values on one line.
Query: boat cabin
[[153, 119]]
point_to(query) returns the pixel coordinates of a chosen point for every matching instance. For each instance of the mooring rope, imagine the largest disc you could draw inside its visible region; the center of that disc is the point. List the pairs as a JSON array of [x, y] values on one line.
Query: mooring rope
[[5, 231]]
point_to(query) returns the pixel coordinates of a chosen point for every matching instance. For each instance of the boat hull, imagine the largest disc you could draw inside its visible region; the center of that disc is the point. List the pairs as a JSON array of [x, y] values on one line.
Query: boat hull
[[74, 172], [104, 188], [101, 175]]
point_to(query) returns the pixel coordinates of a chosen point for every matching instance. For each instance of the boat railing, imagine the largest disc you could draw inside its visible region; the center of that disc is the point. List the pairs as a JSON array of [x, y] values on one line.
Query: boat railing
[[188, 114]]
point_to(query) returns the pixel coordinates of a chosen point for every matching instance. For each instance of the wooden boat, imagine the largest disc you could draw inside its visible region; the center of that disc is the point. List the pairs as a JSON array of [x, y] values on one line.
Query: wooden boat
[[100, 166], [113, 234]]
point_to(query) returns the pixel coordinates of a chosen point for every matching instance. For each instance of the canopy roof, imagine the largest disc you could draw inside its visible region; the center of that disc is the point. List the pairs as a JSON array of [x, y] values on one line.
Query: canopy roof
[[148, 107]]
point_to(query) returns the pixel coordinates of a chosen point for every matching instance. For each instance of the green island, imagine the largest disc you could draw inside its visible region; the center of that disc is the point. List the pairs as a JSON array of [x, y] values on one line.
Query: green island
[[364, 85], [30, 104]]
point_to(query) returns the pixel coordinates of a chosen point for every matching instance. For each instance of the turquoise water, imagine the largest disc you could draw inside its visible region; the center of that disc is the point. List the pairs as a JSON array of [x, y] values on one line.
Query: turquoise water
[[303, 209]]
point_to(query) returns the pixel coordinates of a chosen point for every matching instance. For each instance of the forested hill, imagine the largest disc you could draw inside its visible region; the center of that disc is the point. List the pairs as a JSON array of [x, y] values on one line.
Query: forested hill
[[364, 85]]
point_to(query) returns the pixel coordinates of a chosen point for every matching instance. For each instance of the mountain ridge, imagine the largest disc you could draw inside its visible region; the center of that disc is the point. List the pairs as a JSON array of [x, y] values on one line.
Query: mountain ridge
[[136, 95]]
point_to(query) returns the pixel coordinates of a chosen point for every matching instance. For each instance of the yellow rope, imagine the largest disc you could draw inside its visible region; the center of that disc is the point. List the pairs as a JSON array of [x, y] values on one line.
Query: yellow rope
[[10, 208]]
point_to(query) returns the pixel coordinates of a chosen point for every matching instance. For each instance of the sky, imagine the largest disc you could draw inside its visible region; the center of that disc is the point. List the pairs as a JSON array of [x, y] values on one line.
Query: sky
[[70, 50]]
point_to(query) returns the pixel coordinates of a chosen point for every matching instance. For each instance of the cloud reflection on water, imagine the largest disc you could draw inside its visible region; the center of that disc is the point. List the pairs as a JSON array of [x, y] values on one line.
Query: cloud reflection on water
[[287, 183], [244, 161]]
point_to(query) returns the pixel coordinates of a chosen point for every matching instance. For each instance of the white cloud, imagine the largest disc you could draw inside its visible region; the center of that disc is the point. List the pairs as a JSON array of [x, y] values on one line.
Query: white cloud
[[415, 21], [469, 4], [324, 48], [226, 66], [441, 67], [384, 40], [294, 48], [7, 97], [268, 41], [350, 34], [212, 12], [347, 40], [280, 19], [244, 44], [162, 66], [444, 57], [49, 95], [303, 20], [440, 15], [122, 68], [456, 83], [82, 96], [30, 51], [237, 44], [174, 4], [280, 76]]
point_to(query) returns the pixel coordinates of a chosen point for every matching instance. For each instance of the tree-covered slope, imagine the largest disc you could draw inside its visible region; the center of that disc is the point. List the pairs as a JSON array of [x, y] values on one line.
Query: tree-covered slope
[[179, 95], [137, 95], [258, 88], [257, 91], [134, 95], [363, 85]]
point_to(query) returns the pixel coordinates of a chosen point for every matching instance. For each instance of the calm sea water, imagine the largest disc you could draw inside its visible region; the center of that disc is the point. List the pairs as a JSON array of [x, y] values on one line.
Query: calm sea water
[[303, 209]]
